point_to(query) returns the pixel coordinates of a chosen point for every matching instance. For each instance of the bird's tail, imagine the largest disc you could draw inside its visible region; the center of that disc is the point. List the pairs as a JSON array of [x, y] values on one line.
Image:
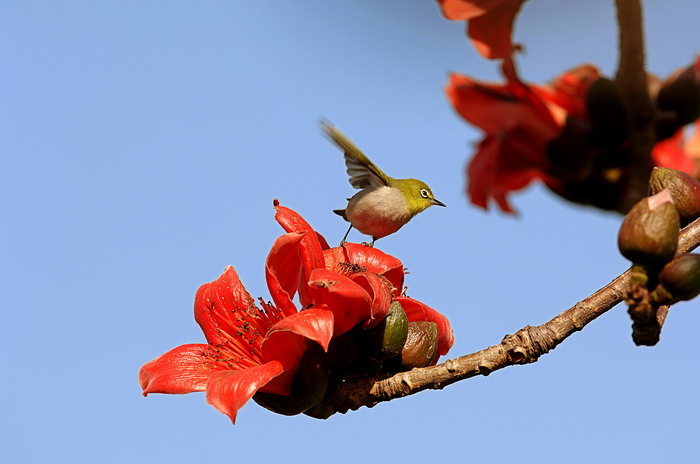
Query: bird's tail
[[340, 212]]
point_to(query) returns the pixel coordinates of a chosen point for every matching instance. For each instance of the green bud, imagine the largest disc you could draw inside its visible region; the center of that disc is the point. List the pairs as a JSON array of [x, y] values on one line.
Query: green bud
[[308, 388], [649, 232], [421, 344], [685, 191], [681, 277], [388, 337], [639, 275]]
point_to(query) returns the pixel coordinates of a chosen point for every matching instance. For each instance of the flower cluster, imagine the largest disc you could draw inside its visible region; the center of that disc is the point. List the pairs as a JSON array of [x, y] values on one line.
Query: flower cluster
[[288, 359], [572, 133]]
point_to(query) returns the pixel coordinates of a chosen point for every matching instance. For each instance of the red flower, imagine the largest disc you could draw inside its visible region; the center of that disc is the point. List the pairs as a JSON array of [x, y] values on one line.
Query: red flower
[[678, 102], [362, 279], [680, 152], [519, 121], [571, 133], [249, 348], [490, 23]]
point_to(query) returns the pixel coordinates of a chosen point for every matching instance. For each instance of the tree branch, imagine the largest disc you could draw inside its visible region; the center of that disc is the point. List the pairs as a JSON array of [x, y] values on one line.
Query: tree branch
[[631, 80], [525, 346]]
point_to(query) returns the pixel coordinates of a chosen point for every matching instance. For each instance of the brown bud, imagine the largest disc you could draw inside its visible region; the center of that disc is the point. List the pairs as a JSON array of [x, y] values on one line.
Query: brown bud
[[308, 388], [685, 191], [680, 94], [421, 344], [387, 338], [681, 277], [649, 232]]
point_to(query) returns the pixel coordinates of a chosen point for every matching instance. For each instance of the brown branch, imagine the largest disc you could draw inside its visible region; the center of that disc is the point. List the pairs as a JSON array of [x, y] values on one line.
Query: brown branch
[[525, 346], [631, 80]]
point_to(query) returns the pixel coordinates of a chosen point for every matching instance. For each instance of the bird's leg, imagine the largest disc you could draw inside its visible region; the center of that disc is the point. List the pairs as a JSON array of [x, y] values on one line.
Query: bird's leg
[[370, 244], [342, 242]]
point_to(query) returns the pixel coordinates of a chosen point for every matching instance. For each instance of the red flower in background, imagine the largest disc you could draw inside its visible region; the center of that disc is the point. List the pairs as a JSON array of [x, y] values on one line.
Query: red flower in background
[[571, 133], [251, 349], [680, 151], [489, 23], [678, 103], [519, 122]]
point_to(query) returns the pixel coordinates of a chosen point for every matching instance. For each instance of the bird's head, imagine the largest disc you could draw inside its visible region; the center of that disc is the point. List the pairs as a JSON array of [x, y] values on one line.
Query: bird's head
[[418, 195]]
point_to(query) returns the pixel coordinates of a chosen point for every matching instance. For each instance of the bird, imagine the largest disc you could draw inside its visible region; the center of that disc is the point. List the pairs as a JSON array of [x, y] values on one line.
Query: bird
[[384, 204]]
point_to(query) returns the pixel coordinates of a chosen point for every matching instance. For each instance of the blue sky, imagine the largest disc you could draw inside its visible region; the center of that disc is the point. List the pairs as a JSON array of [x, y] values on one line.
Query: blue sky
[[141, 145]]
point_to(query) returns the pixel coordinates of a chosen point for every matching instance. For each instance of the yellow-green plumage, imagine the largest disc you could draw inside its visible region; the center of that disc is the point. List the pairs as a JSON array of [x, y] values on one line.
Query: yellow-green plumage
[[384, 204]]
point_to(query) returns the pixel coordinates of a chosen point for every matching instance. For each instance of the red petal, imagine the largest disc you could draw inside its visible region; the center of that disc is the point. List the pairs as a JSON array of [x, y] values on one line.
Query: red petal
[[291, 221], [692, 145], [495, 170], [417, 311], [213, 314], [491, 32], [496, 110], [670, 153], [378, 262], [229, 317], [531, 96], [568, 91], [314, 324], [184, 369], [283, 270], [380, 294], [466, 9], [311, 246], [518, 128], [286, 342], [348, 301], [322, 241], [228, 391]]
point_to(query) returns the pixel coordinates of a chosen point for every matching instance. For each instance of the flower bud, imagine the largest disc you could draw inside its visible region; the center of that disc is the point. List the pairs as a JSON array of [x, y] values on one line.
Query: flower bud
[[308, 388], [649, 232], [421, 344], [685, 191], [681, 277], [680, 95], [387, 338]]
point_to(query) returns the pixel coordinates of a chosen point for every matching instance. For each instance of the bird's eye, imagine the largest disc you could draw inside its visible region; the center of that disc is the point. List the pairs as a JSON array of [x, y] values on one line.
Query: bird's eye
[[424, 193]]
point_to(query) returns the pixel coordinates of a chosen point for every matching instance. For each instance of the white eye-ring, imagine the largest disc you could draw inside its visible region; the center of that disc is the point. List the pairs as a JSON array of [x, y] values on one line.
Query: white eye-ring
[[424, 193]]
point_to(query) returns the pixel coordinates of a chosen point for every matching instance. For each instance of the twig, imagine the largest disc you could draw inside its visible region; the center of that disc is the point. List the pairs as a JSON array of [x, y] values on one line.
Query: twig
[[525, 346], [631, 80]]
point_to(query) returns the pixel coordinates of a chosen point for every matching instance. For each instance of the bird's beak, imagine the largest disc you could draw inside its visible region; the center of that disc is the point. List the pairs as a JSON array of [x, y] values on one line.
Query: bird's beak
[[437, 202]]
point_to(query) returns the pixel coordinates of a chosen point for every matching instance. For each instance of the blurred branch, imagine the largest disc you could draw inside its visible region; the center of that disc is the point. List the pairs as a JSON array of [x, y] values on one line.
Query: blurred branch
[[525, 346], [631, 80]]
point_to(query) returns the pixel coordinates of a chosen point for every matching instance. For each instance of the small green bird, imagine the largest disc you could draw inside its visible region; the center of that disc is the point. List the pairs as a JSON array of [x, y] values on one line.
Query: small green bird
[[384, 204]]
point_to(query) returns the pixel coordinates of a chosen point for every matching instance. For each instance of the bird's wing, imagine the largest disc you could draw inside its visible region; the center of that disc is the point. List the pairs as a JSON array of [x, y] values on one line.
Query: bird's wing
[[363, 173]]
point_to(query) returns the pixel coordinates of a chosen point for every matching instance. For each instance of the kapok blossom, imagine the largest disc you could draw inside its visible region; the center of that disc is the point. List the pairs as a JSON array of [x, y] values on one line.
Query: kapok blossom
[[519, 122], [571, 133], [254, 349], [366, 273], [248, 348]]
